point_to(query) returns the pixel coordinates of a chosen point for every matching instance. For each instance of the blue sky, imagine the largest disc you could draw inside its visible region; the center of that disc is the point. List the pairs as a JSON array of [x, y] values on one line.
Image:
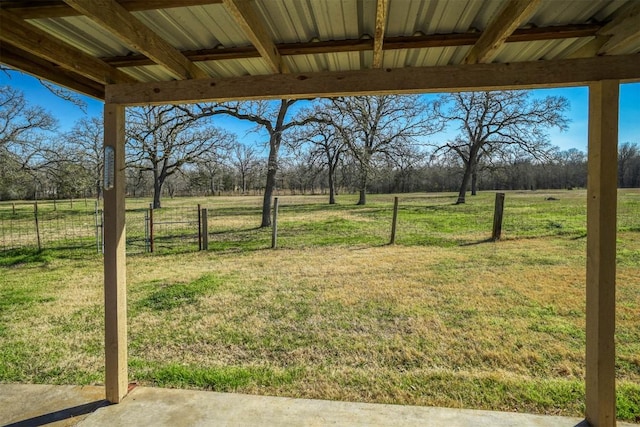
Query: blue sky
[[575, 137]]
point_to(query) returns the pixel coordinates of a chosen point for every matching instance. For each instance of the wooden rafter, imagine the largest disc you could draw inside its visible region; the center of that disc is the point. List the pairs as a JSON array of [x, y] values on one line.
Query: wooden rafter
[[382, 7], [360, 45], [37, 42], [41, 9], [512, 15], [451, 78], [256, 30], [621, 32], [40, 68], [110, 15]]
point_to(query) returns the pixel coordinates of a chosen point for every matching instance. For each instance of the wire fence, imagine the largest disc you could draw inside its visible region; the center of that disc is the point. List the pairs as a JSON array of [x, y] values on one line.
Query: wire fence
[[51, 225], [79, 225]]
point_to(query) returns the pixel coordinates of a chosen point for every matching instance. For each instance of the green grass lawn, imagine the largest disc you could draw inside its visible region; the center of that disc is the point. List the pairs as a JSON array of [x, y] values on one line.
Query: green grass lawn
[[442, 318]]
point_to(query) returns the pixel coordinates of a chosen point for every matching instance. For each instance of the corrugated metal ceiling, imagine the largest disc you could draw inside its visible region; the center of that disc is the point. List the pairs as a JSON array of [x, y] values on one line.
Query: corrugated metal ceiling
[[294, 21]]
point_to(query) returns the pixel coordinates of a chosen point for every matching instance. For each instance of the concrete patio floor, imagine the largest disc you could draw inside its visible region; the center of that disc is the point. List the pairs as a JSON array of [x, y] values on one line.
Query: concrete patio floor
[[39, 405]]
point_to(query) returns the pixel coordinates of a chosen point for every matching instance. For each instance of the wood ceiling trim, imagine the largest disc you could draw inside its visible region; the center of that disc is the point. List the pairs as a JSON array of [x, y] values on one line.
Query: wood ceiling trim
[[256, 30], [31, 39], [43, 9], [511, 16], [382, 9], [46, 70], [621, 32], [122, 24], [451, 78], [359, 45]]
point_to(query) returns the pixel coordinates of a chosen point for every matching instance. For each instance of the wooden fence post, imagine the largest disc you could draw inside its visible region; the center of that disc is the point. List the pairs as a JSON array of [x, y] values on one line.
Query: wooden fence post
[[394, 221], [151, 228], [274, 226], [205, 230], [199, 228], [35, 214], [497, 217]]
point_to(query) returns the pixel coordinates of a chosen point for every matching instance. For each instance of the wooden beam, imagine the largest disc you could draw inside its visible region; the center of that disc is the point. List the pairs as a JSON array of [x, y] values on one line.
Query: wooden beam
[[622, 31], [601, 253], [41, 69], [360, 45], [31, 39], [590, 49], [41, 9], [382, 7], [256, 30], [110, 15], [115, 279], [452, 78], [511, 16]]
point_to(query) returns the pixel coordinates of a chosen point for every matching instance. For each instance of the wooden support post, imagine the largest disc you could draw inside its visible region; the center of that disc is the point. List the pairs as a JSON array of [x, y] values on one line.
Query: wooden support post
[[115, 281], [394, 221], [497, 217], [205, 230], [601, 253], [274, 226]]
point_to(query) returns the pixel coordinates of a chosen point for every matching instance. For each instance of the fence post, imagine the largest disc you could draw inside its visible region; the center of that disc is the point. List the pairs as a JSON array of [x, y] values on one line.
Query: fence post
[[151, 228], [394, 221], [497, 217], [35, 214], [274, 226], [55, 206], [199, 228], [71, 200], [98, 234], [205, 231], [13, 205]]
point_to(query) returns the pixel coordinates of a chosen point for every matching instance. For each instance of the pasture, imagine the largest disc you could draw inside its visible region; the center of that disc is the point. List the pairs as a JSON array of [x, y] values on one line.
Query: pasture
[[442, 318]]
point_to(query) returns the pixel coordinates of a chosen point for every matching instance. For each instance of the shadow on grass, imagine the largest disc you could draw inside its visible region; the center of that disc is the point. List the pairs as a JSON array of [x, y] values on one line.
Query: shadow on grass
[[239, 230], [61, 415], [15, 257], [479, 242]]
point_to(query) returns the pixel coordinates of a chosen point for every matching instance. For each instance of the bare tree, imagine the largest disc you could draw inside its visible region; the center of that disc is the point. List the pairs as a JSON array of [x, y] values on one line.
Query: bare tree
[[377, 126], [628, 165], [270, 116], [328, 146], [26, 132], [494, 121], [245, 160], [21, 123], [161, 139], [87, 138]]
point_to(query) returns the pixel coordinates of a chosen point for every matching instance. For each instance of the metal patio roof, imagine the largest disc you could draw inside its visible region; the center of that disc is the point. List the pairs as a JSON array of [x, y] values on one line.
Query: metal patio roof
[[89, 44]]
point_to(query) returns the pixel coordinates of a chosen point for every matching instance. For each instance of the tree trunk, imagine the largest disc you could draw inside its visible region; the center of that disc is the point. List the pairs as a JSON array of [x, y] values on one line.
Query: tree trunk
[[465, 183], [474, 180], [272, 169], [157, 188], [332, 188], [362, 200]]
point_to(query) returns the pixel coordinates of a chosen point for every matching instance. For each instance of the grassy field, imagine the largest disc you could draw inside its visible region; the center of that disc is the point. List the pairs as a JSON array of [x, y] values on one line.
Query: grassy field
[[442, 318]]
